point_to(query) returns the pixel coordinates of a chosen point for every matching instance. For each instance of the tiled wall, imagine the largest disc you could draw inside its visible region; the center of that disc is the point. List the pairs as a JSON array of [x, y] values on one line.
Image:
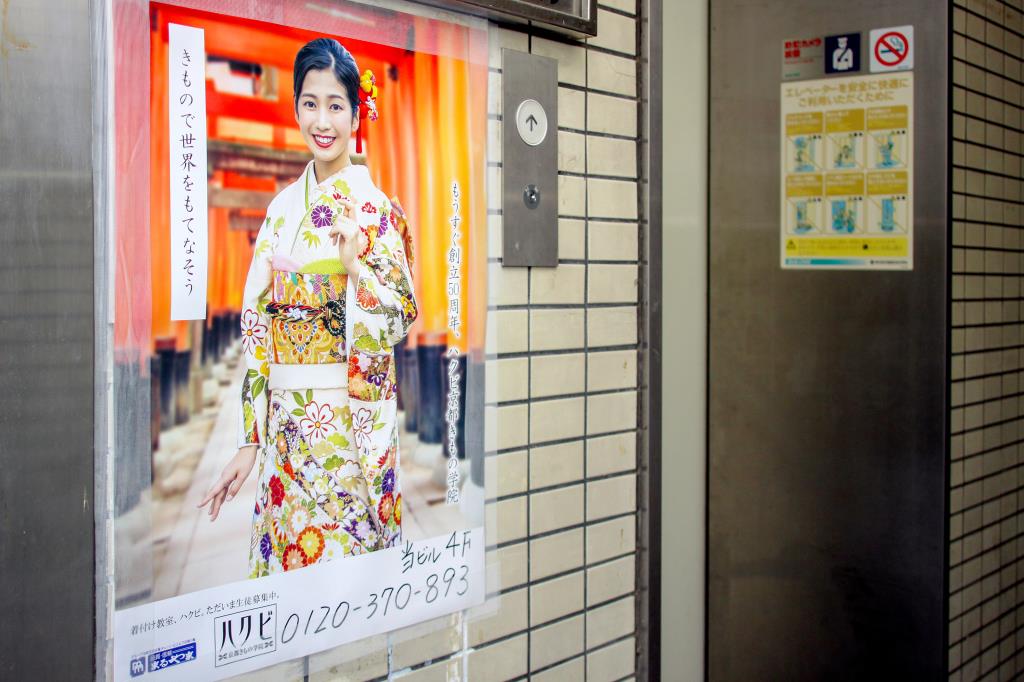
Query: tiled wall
[[986, 602], [561, 379], [562, 376]]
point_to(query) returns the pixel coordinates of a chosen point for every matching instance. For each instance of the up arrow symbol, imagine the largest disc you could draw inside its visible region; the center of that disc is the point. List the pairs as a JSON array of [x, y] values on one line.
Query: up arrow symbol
[[532, 121]]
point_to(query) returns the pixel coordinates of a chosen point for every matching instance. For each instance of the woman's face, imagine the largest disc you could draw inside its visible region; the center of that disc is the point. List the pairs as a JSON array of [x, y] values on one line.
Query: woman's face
[[326, 119]]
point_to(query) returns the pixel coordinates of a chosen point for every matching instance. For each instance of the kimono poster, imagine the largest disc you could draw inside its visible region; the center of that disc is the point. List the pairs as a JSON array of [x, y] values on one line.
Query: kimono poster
[[313, 363], [847, 176]]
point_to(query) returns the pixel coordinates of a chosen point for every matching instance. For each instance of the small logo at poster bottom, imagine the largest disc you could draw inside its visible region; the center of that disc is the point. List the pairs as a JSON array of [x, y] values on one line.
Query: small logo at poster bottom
[[137, 666], [244, 634], [176, 655]]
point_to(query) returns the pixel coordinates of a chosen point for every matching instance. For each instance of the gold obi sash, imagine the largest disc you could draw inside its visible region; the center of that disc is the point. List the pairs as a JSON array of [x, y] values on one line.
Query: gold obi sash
[[307, 327]]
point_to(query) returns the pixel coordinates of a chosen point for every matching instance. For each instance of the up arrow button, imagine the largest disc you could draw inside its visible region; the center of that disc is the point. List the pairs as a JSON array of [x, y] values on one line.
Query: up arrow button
[[531, 122]]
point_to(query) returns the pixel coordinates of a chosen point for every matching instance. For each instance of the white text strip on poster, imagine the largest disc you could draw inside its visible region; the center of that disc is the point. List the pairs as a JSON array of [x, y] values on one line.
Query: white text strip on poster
[[186, 63], [847, 176], [242, 626]]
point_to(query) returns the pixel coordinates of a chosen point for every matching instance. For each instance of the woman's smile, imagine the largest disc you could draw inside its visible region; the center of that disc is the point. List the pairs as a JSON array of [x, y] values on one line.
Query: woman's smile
[[324, 141]]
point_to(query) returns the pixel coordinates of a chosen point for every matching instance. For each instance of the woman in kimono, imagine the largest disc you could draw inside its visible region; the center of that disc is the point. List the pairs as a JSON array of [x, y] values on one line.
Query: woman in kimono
[[328, 295]]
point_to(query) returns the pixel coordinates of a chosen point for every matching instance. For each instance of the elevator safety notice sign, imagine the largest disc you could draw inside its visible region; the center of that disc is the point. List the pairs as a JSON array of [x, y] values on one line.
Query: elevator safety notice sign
[[847, 173]]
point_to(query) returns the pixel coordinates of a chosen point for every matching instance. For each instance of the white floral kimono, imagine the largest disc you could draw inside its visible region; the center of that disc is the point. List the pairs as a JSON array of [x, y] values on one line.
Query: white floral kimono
[[319, 393]]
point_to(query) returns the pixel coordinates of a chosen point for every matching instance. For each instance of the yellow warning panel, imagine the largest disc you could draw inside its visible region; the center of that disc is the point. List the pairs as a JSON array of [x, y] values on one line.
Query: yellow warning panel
[[847, 247], [886, 118], [803, 185], [846, 178], [844, 121], [804, 123], [844, 184], [888, 182]]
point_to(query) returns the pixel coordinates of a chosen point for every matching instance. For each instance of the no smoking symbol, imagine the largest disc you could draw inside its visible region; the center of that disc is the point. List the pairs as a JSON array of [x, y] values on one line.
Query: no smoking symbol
[[891, 48]]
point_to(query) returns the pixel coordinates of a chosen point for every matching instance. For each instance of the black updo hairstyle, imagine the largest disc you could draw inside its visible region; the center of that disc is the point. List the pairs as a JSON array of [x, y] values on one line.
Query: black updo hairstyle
[[327, 53]]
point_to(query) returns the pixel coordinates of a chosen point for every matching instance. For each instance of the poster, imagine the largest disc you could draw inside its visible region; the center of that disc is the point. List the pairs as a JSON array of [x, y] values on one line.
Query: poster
[[847, 175], [315, 470]]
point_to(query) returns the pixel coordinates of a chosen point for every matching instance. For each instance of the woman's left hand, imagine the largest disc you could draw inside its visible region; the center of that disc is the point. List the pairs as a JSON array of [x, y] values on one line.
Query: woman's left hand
[[349, 238]]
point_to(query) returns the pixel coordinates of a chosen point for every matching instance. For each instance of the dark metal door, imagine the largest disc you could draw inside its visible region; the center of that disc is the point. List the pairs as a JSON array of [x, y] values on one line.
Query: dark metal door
[[827, 404]]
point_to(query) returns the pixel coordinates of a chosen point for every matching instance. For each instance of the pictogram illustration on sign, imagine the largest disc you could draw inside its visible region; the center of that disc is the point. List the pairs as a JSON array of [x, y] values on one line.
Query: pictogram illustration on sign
[[842, 53], [892, 49], [846, 189]]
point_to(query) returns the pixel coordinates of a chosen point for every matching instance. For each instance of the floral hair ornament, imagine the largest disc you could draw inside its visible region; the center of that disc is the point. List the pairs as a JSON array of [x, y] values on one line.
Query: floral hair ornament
[[368, 106]]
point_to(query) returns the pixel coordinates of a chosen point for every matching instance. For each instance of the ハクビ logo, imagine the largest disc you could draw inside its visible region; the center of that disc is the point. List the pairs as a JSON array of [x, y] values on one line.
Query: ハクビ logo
[[244, 634]]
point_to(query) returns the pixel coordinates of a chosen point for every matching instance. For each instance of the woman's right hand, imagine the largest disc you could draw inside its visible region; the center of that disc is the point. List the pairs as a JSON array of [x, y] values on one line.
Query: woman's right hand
[[230, 481], [348, 238]]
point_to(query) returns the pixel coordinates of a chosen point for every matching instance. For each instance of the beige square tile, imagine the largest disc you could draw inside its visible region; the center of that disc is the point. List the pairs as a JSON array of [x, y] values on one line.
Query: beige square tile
[[611, 412], [556, 598], [554, 329], [611, 538], [556, 553], [571, 59], [572, 152], [493, 141], [505, 474], [503, 38], [556, 464], [572, 108], [289, 671], [505, 427], [507, 331], [570, 671], [561, 284], [611, 326], [494, 188], [610, 73], [612, 284], [556, 642], [552, 375], [611, 199], [611, 156], [556, 419], [425, 641], [611, 580], [506, 286], [510, 518], [611, 496], [505, 660], [609, 454], [554, 509], [615, 32], [349, 662], [442, 671], [486, 625], [513, 566], [609, 622], [613, 662], [613, 241], [611, 369], [570, 239], [494, 94], [506, 379], [624, 5], [494, 237], [611, 115], [572, 193]]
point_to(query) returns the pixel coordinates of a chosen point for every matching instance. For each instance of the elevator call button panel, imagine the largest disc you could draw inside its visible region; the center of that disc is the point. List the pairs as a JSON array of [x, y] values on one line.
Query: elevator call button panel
[[529, 160]]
